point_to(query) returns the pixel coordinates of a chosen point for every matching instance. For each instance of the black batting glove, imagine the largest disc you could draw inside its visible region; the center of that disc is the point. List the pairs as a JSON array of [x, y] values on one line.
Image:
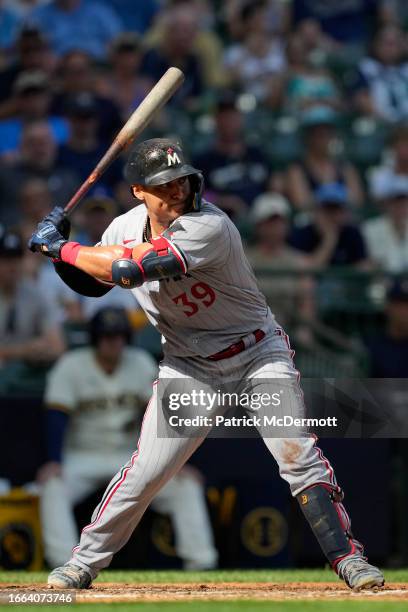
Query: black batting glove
[[59, 219], [47, 240]]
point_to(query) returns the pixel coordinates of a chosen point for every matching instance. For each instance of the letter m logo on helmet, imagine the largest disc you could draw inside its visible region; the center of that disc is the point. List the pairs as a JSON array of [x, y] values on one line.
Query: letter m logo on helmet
[[172, 157]]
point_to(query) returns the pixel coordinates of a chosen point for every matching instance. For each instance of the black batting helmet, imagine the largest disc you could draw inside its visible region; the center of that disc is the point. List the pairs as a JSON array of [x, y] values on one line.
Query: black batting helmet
[[110, 321], [160, 160]]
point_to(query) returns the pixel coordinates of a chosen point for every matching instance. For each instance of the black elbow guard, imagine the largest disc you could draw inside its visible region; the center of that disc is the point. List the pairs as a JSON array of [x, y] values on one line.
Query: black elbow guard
[[127, 273], [163, 261]]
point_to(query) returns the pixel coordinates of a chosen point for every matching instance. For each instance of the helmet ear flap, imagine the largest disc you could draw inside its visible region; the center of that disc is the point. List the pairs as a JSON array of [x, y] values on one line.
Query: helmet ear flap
[[197, 186]]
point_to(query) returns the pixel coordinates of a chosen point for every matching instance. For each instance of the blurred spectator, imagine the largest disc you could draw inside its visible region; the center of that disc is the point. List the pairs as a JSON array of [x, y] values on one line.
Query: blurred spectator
[[289, 295], [34, 202], [317, 43], [136, 16], [330, 239], [395, 167], [387, 235], [319, 164], [97, 212], [395, 12], [35, 158], [78, 24], [33, 99], [24, 8], [345, 22], [77, 75], [307, 83], [32, 54], [28, 324], [382, 80], [9, 25], [122, 81], [258, 57], [389, 350], [83, 150], [176, 48], [116, 298], [206, 46], [277, 17], [234, 171]]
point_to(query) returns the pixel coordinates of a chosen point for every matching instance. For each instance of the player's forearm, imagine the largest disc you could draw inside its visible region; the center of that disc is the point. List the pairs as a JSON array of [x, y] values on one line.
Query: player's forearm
[[97, 261]]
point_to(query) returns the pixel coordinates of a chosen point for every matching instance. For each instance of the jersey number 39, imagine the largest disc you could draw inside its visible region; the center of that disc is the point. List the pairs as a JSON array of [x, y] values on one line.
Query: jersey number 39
[[201, 292]]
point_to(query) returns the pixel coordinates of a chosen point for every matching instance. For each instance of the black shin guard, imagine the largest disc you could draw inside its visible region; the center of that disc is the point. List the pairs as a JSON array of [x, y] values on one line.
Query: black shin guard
[[318, 504]]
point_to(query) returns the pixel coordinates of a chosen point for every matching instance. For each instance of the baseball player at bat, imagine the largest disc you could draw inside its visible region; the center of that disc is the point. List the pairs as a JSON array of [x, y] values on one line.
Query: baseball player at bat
[[183, 259], [95, 398]]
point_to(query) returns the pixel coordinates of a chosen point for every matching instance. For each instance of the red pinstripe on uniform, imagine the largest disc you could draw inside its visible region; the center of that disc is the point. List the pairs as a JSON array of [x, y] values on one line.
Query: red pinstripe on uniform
[[335, 486]]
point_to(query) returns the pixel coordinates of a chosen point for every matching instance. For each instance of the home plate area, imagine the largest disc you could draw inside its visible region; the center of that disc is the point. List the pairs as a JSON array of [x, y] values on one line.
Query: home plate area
[[114, 592]]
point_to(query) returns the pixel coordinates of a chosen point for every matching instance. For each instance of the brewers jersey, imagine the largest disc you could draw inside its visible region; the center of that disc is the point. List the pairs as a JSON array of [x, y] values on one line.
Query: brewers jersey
[[106, 409]]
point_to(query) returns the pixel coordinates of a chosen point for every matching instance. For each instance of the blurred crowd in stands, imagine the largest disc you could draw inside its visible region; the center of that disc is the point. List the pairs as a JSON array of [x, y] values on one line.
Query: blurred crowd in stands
[[295, 110]]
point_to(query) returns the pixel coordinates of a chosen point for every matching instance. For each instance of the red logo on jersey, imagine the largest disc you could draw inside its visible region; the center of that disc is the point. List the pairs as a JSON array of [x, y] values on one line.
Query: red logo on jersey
[[128, 240]]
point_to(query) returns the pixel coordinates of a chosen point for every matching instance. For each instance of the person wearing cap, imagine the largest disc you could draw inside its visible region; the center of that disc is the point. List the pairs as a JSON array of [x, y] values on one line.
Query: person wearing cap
[[78, 74], [95, 397], [36, 158], [84, 148], [32, 96], [183, 259], [121, 80], [31, 52], [318, 166], [387, 235], [236, 172], [29, 327], [97, 212], [331, 239], [291, 295]]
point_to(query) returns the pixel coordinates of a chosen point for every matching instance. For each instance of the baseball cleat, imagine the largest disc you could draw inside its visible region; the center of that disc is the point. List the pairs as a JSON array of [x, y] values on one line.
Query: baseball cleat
[[69, 576], [358, 574]]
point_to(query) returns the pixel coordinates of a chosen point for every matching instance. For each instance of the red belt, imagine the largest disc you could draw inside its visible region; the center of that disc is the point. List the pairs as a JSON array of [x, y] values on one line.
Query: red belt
[[238, 347]]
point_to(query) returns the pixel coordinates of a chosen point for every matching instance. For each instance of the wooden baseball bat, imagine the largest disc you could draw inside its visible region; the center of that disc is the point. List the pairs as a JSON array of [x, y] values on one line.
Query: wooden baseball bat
[[152, 103]]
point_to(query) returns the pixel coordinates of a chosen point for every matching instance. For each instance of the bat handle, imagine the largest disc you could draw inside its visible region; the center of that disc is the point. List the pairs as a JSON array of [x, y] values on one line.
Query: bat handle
[[80, 193]]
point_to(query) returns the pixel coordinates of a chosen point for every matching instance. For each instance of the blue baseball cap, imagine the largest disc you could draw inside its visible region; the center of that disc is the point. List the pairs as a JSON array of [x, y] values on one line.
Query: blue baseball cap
[[331, 194]]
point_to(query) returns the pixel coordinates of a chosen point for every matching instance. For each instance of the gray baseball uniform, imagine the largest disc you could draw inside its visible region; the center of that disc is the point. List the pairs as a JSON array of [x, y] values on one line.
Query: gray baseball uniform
[[214, 305]]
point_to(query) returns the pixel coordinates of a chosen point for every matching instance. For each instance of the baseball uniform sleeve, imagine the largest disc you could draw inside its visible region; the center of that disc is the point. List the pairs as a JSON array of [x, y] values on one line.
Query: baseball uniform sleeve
[[61, 384], [204, 239]]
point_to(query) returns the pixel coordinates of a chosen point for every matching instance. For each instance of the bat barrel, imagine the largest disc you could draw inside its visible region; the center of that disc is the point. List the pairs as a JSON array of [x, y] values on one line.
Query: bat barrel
[[152, 103]]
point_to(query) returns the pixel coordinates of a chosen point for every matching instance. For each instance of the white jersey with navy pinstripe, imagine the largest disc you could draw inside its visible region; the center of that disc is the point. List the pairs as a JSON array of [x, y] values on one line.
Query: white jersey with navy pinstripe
[[216, 301]]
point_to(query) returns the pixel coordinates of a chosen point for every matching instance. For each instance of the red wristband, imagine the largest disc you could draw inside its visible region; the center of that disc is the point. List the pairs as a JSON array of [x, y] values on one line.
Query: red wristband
[[69, 252]]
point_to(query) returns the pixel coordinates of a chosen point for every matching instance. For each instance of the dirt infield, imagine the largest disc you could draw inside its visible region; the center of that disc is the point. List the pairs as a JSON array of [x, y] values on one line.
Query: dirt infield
[[105, 592]]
